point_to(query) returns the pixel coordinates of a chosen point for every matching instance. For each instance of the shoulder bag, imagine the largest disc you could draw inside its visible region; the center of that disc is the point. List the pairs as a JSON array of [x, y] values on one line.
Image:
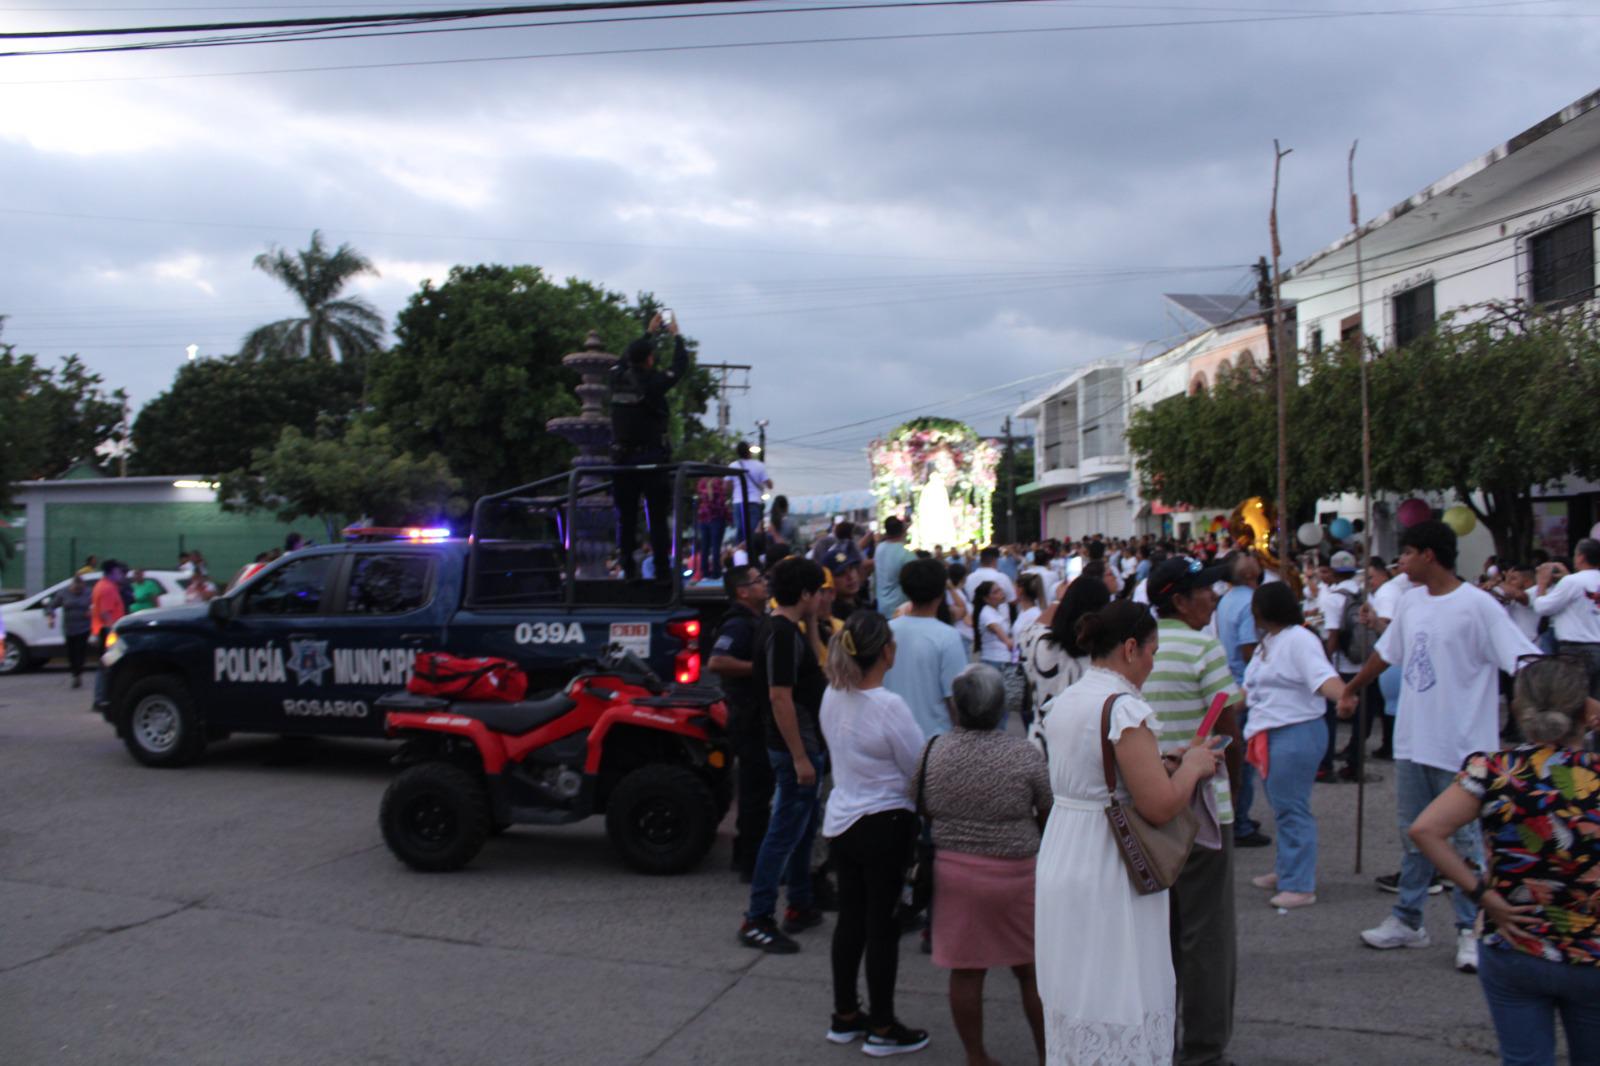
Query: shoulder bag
[[1154, 855], [921, 877]]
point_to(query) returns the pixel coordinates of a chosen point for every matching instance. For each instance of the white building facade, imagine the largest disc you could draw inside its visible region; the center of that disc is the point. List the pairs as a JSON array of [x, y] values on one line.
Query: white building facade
[[1080, 454], [1516, 223]]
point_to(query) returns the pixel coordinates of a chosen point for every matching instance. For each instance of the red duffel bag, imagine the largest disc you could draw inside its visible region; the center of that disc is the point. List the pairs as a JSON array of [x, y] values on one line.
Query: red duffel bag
[[438, 673]]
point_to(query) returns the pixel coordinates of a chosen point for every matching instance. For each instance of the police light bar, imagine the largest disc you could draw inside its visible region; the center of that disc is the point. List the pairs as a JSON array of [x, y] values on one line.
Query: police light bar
[[411, 533]]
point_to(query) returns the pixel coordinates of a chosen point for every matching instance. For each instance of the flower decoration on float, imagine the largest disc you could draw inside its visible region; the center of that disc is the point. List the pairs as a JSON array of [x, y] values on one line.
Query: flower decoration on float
[[947, 459]]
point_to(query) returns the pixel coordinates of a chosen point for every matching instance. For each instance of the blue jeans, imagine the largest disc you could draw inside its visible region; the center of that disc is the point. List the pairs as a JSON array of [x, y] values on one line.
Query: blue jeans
[[1524, 994], [1416, 786], [785, 855], [1293, 752], [708, 542], [1243, 824]]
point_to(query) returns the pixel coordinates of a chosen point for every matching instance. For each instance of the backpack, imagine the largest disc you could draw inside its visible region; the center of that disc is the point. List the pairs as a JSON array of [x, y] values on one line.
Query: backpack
[[1356, 639], [451, 677]]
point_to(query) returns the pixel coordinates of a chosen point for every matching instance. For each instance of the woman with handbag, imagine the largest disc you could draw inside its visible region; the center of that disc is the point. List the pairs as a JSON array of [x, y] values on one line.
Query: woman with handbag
[[1287, 683], [874, 745], [1101, 940], [987, 794]]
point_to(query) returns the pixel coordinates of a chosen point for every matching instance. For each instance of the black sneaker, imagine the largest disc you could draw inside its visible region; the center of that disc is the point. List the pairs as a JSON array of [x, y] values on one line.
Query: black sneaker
[[1391, 883], [844, 1030], [763, 934], [896, 1040], [1254, 839], [799, 919]]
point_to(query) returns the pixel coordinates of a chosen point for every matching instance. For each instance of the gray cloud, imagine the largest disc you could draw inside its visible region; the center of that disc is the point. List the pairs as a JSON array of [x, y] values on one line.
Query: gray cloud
[[874, 226]]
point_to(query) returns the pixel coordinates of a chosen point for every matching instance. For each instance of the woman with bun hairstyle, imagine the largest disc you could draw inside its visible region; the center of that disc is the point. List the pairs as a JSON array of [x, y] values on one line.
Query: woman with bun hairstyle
[[1538, 805], [1288, 682], [875, 747], [1102, 951]]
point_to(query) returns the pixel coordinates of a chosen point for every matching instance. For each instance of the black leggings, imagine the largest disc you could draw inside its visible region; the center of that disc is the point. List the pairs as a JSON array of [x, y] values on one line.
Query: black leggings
[[870, 861], [77, 646]]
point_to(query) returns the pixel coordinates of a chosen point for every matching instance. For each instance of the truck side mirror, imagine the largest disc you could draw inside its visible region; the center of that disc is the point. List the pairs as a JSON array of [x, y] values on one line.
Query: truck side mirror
[[221, 609]]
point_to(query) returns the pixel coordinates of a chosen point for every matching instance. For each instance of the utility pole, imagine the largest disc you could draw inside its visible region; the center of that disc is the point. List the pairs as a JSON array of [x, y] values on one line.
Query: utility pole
[[1009, 483], [730, 378], [1366, 491], [1285, 545], [1265, 302]]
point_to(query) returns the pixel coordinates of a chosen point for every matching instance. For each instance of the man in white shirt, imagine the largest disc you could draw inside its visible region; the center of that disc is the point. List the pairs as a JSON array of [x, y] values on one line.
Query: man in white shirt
[[986, 570], [745, 492], [1042, 559], [1451, 641], [1515, 591], [1573, 607], [1340, 589]]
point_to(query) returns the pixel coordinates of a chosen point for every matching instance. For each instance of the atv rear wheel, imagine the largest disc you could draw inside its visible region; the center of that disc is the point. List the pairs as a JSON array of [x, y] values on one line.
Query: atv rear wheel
[[435, 817], [662, 819]]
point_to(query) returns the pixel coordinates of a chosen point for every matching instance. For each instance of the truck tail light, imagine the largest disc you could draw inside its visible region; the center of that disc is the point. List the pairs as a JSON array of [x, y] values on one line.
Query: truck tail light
[[686, 664], [686, 667]]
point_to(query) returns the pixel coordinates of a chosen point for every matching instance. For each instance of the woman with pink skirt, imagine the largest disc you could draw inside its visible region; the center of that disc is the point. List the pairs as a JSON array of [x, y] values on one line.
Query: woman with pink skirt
[[987, 795]]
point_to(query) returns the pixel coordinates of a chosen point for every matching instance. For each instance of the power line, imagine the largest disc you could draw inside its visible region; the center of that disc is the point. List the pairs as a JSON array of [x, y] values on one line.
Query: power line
[[733, 45]]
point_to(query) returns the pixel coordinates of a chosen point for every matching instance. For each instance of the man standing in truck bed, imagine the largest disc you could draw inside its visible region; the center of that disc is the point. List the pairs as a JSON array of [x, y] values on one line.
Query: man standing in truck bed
[[639, 438]]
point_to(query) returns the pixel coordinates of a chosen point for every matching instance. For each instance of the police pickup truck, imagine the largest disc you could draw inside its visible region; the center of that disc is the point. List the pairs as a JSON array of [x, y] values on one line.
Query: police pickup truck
[[307, 645]]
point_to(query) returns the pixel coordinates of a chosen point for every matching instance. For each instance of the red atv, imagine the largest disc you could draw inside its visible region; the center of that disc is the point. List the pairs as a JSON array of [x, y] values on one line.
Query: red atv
[[654, 759]]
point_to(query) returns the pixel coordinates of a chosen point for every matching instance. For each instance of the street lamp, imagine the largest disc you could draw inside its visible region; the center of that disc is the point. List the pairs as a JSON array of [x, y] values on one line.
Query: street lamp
[[193, 350], [761, 430]]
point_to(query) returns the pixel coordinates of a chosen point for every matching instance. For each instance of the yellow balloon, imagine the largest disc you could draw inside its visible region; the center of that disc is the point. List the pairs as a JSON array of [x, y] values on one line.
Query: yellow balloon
[[1461, 519]]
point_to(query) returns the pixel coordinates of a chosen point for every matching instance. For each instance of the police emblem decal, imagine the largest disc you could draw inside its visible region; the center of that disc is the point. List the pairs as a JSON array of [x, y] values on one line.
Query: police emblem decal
[[309, 660]]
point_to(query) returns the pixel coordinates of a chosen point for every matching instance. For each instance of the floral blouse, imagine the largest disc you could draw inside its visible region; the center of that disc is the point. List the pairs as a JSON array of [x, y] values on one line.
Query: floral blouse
[[1541, 818], [713, 505]]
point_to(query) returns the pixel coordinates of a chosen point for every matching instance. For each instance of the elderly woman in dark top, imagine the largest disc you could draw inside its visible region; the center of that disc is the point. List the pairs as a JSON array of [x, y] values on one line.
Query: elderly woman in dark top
[[987, 795]]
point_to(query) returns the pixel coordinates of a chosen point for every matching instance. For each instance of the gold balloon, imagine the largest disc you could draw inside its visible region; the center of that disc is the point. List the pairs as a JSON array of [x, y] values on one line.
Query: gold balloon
[[1461, 519]]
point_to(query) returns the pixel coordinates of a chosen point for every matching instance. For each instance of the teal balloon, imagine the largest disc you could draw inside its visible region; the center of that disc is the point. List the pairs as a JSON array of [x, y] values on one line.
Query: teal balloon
[[1341, 529]]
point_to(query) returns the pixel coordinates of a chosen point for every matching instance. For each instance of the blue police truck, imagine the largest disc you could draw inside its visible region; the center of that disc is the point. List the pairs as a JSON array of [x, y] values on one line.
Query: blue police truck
[[307, 645]]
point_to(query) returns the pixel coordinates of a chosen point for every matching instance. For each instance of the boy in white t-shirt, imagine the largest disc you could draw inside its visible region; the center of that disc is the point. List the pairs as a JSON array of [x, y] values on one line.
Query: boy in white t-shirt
[[1451, 641], [745, 493]]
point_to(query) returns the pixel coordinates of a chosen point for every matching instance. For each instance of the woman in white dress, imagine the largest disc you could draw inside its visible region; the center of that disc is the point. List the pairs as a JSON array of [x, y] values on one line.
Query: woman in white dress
[[1102, 952]]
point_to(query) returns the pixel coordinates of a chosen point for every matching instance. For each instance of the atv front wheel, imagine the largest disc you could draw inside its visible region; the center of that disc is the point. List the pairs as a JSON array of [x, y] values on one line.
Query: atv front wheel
[[435, 817], [662, 819]]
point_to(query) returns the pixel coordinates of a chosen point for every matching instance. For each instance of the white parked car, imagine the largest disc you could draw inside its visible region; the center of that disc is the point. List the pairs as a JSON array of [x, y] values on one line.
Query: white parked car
[[32, 641]]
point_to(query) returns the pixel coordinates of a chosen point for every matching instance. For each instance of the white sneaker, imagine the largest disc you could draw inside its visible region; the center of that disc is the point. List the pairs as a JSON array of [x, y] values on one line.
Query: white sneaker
[[1394, 933], [1466, 951]]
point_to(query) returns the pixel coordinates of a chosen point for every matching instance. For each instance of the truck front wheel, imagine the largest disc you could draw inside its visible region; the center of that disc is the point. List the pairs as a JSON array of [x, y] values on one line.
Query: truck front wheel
[[435, 817], [662, 819], [161, 727]]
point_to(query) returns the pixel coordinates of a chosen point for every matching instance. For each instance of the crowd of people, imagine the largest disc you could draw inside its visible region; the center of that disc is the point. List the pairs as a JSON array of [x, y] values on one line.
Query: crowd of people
[[871, 685]]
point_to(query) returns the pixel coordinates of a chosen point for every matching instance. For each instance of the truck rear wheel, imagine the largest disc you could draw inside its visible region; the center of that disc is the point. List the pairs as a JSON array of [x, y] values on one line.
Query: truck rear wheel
[[435, 817], [662, 819], [160, 725]]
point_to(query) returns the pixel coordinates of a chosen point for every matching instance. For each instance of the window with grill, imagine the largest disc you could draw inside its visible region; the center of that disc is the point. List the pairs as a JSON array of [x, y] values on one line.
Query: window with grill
[[1413, 314], [1563, 262]]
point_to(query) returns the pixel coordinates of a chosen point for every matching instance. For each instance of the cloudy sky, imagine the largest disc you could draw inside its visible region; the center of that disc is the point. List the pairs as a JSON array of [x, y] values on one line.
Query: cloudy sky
[[936, 216]]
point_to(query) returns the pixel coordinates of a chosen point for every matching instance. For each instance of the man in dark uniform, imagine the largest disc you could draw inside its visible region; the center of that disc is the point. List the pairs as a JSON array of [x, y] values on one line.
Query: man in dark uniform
[[639, 438], [733, 656]]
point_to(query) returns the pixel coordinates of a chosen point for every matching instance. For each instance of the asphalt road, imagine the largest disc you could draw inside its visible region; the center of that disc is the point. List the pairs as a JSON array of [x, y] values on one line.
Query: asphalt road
[[246, 911]]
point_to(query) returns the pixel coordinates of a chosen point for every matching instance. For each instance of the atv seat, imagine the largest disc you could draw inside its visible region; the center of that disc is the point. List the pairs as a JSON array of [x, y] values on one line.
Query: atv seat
[[683, 696], [515, 718]]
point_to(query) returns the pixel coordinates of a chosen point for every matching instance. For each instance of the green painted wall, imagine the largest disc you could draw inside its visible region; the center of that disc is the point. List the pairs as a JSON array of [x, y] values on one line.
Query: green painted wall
[[150, 535]]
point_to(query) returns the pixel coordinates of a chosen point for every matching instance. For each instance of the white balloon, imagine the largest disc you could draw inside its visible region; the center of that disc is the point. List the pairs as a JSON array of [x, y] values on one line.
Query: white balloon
[[1310, 534]]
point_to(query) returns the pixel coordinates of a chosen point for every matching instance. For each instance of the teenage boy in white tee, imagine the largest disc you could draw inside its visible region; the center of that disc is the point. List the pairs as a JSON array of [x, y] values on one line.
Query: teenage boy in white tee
[[1451, 641], [1573, 607]]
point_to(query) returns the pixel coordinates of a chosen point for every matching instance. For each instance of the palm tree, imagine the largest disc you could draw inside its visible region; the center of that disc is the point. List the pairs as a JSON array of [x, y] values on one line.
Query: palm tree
[[353, 326]]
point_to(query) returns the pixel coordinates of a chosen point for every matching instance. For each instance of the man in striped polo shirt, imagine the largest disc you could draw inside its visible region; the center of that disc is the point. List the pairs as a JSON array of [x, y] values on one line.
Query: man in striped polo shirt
[[1190, 669]]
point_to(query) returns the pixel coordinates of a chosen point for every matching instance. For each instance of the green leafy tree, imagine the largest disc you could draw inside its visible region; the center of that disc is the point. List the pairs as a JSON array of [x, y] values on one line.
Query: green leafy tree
[[351, 326], [1492, 405], [218, 412], [51, 417], [332, 475], [476, 371]]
